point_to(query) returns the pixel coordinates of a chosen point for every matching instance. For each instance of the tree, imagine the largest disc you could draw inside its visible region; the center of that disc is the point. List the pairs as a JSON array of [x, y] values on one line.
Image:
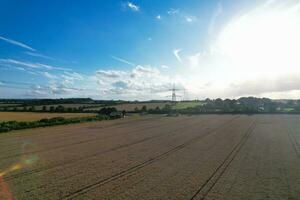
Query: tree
[[80, 108], [32, 108], [144, 108], [52, 109], [60, 108], [107, 110], [167, 108], [123, 113]]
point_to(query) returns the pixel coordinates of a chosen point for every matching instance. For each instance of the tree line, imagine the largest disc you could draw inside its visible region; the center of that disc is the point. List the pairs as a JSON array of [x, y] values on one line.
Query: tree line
[[104, 114]]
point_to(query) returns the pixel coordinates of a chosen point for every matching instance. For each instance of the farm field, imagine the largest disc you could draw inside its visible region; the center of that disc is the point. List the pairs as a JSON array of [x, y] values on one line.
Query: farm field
[[187, 104], [28, 116], [8, 104], [230, 157]]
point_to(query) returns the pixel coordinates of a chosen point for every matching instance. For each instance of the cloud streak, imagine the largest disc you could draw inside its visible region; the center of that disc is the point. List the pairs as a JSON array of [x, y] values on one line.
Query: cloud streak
[[176, 54], [20, 44], [173, 11], [190, 19], [133, 6], [38, 55], [49, 76], [110, 73], [32, 65], [216, 14], [123, 61]]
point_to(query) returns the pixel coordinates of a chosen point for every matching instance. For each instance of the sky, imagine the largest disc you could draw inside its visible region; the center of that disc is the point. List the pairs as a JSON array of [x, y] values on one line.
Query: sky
[[139, 50]]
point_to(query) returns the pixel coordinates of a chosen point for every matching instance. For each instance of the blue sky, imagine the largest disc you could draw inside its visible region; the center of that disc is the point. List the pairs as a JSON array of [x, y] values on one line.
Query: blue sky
[[138, 49]]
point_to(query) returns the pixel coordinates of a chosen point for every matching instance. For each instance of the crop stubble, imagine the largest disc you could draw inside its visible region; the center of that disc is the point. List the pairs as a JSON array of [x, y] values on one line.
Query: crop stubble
[[196, 157]]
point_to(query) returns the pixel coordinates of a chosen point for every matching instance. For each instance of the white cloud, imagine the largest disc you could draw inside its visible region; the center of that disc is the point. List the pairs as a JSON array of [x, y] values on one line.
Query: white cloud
[[182, 16], [190, 19], [176, 54], [218, 12], [281, 83], [74, 75], [133, 6], [123, 61], [38, 55], [144, 71], [173, 11], [141, 82], [32, 65], [48, 75], [69, 78], [120, 85], [33, 73], [54, 89], [158, 17], [165, 67], [61, 89], [194, 60], [111, 73], [20, 44]]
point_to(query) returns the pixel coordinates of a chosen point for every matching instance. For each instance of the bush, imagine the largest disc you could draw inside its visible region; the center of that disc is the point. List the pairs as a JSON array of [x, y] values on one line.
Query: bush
[[107, 110]]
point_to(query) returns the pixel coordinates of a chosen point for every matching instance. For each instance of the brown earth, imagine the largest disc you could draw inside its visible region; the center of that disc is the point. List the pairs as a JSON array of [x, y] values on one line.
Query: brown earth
[[28, 116], [156, 157]]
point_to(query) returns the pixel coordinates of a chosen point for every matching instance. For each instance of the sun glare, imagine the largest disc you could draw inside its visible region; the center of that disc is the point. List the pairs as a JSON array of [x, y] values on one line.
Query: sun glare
[[263, 42]]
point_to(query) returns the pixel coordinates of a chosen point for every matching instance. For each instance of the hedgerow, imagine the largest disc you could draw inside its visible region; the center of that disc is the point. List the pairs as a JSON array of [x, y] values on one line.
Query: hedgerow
[[15, 125]]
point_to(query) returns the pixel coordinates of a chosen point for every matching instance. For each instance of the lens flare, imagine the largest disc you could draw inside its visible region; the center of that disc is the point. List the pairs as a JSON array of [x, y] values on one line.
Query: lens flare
[[5, 194], [25, 162]]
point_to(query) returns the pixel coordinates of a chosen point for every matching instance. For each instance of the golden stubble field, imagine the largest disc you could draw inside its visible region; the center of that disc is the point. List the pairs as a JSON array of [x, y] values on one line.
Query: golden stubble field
[[34, 116], [230, 157]]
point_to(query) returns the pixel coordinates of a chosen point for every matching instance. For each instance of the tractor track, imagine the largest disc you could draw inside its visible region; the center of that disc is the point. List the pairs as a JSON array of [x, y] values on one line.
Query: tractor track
[[292, 139], [203, 191], [294, 142], [137, 167]]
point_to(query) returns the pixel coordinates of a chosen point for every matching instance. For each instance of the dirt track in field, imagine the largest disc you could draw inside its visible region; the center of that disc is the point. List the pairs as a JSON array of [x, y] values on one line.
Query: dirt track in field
[[156, 157]]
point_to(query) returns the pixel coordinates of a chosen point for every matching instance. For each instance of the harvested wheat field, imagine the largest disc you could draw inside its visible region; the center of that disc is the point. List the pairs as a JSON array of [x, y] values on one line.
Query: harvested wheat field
[[156, 157], [34, 116]]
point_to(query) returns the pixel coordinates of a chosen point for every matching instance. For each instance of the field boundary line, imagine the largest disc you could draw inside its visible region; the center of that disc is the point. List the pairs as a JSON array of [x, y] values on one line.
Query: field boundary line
[[219, 171], [135, 168]]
